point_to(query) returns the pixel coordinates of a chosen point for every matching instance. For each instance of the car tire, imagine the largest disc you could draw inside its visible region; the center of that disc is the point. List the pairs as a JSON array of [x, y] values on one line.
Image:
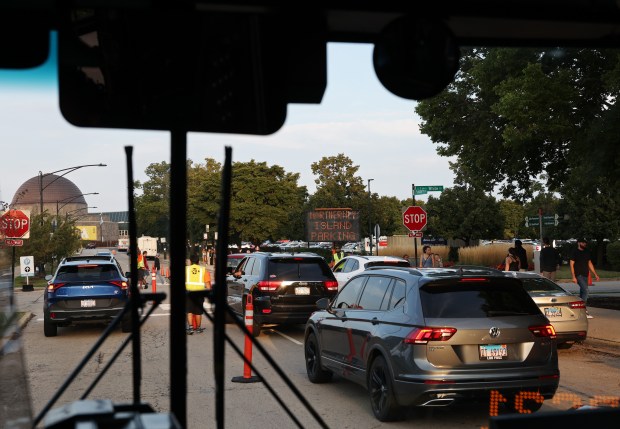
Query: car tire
[[564, 346], [381, 392], [50, 329], [312, 353]]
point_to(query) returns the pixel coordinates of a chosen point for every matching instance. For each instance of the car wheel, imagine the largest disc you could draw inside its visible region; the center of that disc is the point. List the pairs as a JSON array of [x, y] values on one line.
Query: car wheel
[[50, 329], [381, 391], [564, 346], [312, 353]]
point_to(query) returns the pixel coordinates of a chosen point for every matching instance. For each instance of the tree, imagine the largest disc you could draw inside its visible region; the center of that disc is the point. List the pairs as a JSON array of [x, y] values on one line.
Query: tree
[[465, 213], [48, 244], [266, 201], [152, 207], [337, 184], [513, 114], [514, 218]]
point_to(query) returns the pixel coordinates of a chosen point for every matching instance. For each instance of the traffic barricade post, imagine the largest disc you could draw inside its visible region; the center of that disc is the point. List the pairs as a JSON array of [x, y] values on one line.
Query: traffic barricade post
[[247, 351]]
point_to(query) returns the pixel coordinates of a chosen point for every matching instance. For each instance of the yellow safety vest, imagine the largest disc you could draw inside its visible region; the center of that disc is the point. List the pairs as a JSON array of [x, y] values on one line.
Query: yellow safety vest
[[337, 257], [194, 278]]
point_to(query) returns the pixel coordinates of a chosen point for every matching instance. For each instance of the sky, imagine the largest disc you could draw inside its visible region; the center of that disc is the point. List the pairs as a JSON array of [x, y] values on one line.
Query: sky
[[378, 131]]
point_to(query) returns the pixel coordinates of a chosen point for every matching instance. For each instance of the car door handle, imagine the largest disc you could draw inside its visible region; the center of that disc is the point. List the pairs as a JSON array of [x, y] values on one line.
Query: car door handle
[[375, 320]]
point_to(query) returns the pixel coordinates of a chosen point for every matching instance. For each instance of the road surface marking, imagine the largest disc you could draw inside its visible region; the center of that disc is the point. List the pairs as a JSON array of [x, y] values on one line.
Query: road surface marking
[[293, 340]]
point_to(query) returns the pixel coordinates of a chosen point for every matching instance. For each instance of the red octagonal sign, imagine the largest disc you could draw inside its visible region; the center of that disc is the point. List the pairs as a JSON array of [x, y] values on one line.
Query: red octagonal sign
[[15, 224], [414, 218]]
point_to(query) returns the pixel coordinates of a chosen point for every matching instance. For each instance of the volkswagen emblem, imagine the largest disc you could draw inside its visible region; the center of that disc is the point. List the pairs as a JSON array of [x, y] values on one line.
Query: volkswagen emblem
[[494, 332]]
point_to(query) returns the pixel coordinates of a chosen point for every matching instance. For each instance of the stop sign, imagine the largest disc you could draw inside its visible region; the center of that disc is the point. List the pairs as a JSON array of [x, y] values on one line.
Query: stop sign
[[414, 218], [15, 224]]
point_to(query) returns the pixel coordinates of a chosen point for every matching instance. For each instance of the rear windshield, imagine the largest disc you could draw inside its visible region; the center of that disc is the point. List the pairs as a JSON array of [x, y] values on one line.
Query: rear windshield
[[540, 285], [387, 264], [86, 272], [299, 268], [475, 300]]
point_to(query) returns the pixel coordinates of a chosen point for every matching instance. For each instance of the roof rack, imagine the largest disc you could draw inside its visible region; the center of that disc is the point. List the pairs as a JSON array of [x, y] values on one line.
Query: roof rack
[[87, 258]]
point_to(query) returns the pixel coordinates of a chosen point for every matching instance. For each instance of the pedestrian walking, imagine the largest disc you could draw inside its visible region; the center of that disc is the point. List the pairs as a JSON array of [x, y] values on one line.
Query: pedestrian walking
[[522, 255], [204, 255], [549, 260], [196, 278], [157, 266], [580, 267]]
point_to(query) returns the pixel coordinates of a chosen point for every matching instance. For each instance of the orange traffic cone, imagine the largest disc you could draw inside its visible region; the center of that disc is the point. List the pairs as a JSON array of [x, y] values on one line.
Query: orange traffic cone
[[247, 351]]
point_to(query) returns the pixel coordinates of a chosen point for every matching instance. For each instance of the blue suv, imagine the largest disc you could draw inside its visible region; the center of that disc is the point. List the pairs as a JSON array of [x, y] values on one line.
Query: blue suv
[[85, 288]]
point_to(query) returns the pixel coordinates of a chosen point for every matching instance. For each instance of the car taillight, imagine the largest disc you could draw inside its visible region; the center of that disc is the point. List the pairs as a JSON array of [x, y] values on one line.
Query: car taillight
[[543, 331], [577, 304], [268, 286], [424, 335], [51, 287], [472, 279], [119, 283], [331, 285]]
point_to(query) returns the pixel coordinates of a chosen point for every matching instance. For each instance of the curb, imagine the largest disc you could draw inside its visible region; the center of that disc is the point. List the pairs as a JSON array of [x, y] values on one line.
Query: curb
[[13, 332]]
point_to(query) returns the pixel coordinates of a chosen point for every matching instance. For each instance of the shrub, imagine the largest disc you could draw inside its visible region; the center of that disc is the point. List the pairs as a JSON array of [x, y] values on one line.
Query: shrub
[[613, 255]]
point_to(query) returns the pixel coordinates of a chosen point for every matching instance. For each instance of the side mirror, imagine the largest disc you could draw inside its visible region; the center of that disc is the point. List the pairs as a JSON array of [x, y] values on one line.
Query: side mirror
[[322, 304], [48, 277]]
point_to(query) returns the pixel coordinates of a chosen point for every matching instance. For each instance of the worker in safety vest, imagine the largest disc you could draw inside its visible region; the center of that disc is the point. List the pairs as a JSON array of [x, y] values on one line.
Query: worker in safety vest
[[141, 268], [196, 278], [337, 255]]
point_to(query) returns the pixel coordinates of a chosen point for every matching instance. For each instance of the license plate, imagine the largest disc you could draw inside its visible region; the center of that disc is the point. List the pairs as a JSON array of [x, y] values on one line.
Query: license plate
[[89, 303], [302, 291], [553, 312], [493, 351]]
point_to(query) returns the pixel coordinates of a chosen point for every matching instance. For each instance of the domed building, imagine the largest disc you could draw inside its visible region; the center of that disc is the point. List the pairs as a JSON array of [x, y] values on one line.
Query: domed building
[[60, 196]]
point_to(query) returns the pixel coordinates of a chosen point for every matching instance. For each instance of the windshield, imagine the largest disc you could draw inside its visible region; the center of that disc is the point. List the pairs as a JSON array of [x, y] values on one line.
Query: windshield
[[507, 140]]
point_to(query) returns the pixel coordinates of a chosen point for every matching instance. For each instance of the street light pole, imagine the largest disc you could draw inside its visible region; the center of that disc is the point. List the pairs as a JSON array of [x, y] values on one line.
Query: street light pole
[[66, 171], [69, 200], [370, 215]]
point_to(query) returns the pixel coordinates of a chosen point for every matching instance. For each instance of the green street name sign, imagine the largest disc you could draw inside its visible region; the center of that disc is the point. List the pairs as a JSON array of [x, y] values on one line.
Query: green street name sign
[[421, 190], [547, 220]]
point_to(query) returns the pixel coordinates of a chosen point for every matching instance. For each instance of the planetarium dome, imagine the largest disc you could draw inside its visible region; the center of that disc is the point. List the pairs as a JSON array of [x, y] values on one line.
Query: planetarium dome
[[57, 191]]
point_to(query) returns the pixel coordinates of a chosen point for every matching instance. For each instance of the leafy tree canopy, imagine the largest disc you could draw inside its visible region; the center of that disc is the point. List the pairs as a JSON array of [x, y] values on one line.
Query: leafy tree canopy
[[465, 213], [513, 114]]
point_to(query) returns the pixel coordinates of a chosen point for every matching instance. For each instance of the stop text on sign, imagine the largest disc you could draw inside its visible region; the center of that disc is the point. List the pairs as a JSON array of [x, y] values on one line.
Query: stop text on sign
[[415, 218], [15, 224], [332, 225]]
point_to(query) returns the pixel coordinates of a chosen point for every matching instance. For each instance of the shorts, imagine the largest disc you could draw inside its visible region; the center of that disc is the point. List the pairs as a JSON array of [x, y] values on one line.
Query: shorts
[[193, 304]]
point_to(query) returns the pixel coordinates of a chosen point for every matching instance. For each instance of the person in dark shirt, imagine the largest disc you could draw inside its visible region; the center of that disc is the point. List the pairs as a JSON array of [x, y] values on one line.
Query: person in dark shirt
[[580, 267], [549, 260], [522, 254]]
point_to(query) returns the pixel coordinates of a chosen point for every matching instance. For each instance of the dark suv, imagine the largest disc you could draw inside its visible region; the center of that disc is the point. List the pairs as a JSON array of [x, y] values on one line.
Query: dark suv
[[85, 288], [284, 286], [431, 337]]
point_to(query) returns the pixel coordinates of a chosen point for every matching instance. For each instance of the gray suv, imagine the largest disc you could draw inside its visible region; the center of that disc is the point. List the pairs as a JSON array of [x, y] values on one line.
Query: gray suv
[[433, 337]]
